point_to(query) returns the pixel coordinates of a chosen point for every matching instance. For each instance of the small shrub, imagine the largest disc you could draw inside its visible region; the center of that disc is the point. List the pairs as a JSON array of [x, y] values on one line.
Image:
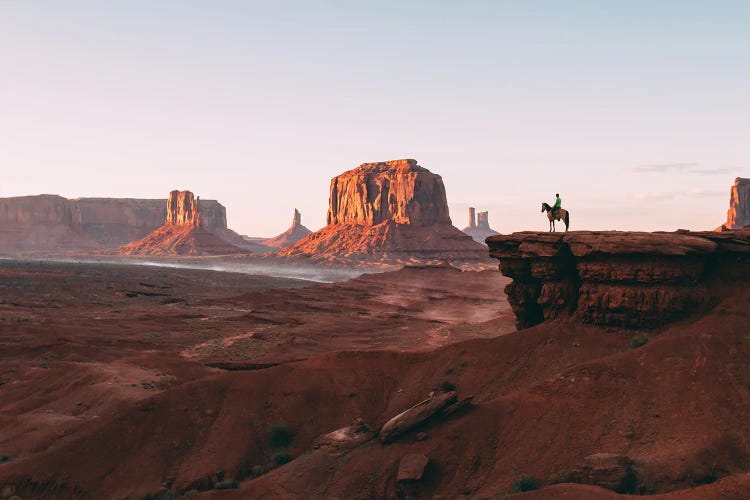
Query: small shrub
[[639, 340], [561, 477], [447, 386], [525, 483], [192, 493], [281, 458], [280, 435], [257, 470], [226, 484], [15, 497]]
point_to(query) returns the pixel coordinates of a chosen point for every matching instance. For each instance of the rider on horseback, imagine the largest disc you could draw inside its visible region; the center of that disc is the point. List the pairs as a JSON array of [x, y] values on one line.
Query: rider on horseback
[[558, 204]]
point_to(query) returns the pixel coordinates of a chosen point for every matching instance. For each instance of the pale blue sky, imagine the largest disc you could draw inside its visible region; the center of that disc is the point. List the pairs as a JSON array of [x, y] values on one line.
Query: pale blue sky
[[638, 112]]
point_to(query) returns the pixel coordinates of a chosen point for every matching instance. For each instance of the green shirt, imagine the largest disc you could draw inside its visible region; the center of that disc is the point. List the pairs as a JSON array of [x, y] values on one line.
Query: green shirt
[[558, 202]]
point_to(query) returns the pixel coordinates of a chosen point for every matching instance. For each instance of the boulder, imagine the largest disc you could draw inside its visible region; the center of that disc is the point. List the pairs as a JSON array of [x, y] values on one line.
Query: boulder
[[411, 467], [339, 441], [607, 470], [415, 415]]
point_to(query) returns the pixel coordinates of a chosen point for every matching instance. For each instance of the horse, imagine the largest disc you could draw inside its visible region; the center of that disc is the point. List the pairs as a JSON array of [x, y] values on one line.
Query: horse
[[562, 214]]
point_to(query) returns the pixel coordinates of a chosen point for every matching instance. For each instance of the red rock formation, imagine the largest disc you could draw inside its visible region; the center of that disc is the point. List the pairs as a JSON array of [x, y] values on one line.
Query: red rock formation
[[389, 211], [50, 223], [291, 235], [182, 209], [182, 232], [738, 215], [622, 279], [400, 191], [479, 229]]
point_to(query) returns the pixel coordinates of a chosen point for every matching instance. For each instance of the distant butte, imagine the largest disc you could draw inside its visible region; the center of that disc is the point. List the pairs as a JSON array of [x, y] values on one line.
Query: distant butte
[[291, 235], [51, 223], [479, 226], [394, 211], [183, 232]]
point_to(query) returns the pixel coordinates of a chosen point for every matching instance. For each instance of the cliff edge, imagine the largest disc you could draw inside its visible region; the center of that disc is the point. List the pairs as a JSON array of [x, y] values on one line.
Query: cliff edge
[[618, 279]]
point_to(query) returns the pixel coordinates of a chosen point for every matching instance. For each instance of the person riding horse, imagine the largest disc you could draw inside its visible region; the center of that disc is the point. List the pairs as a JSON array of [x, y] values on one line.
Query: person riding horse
[[558, 204], [556, 212]]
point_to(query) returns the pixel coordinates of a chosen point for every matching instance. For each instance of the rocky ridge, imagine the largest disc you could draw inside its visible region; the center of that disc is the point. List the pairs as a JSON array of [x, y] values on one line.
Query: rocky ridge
[[618, 279], [51, 223]]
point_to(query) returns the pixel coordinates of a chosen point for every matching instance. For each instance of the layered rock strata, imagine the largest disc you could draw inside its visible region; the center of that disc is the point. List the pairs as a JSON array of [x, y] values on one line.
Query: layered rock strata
[[399, 191], [738, 215], [393, 211], [50, 223], [618, 279]]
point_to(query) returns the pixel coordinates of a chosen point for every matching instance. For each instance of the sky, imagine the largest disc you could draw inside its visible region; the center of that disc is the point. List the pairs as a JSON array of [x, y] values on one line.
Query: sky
[[636, 112]]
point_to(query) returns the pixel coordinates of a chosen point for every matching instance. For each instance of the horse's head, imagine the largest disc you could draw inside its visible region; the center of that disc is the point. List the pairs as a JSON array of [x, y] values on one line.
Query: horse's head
[[544, 207]]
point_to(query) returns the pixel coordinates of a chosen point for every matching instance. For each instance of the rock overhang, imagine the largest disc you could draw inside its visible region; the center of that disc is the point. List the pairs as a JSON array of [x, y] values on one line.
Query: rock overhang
[[616, 278]]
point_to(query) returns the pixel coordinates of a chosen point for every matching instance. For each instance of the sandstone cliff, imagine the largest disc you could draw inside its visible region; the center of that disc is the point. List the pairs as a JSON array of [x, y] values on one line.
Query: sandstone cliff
[[400, 191], [393, 211], [738, 215], [183, 232], [182, 209], [51, 223], [618, 279], [291, 235], [479, 226]]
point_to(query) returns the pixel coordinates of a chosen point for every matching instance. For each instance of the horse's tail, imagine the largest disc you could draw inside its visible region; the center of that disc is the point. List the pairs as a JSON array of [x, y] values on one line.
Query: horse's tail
[[567, 220]]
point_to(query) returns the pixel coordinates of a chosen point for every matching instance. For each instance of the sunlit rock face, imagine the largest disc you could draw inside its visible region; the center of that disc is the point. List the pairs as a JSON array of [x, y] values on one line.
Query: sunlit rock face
[[182, 209], [400, 191], [393, 211], [738, 215], [50, 223], [183, 232]]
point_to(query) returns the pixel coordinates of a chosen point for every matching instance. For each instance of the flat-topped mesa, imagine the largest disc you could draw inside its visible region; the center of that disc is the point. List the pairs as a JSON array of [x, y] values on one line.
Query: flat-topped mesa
[[182, 209], [618, 279], [738, 215], [390, 212], [398, 190]]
